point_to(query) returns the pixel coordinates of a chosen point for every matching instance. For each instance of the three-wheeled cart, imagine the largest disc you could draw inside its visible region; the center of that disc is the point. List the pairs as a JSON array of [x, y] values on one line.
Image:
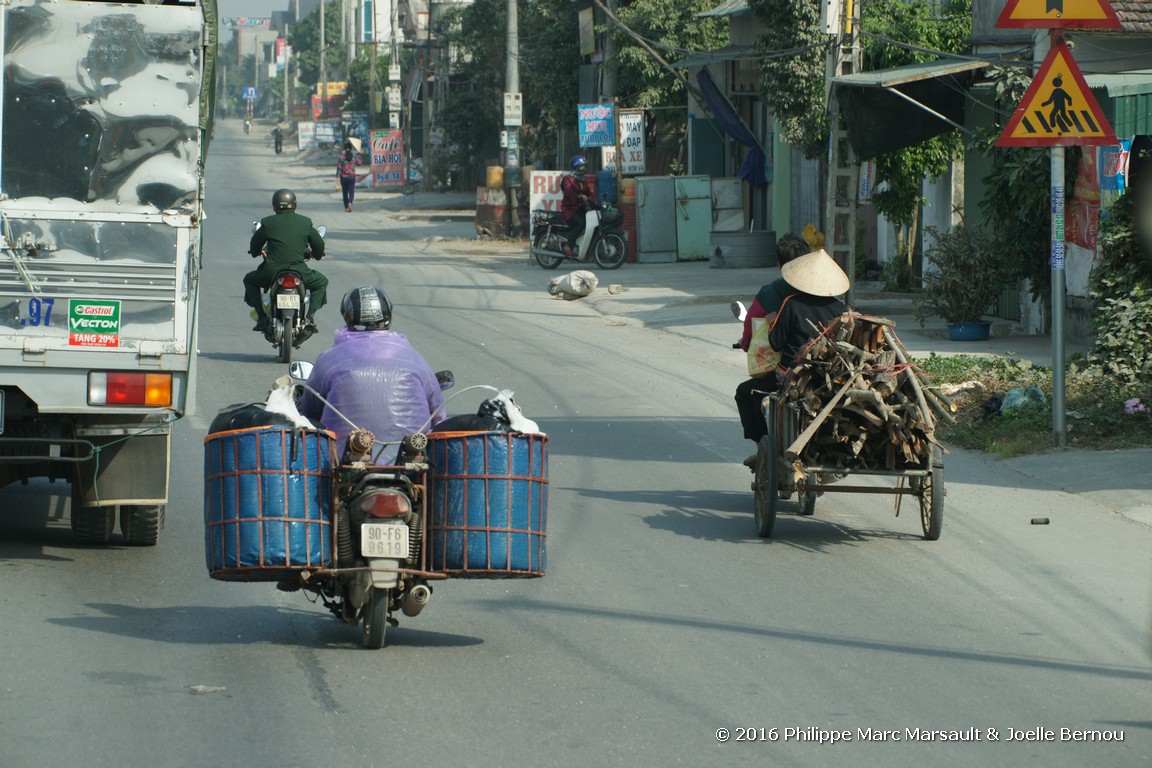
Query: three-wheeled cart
[[853, 406]]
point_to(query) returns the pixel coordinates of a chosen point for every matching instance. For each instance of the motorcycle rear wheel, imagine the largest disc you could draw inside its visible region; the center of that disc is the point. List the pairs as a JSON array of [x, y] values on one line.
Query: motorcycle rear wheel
[[611, 250], [286, 337], [376, 617], [543, 241]]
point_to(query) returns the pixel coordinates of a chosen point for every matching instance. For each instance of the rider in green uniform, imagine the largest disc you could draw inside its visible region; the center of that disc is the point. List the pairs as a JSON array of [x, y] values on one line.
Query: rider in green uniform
[[285, 235]]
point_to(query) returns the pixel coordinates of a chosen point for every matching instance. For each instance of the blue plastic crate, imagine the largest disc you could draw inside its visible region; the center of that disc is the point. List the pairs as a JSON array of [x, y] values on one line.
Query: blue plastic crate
[[267, 502], [488, 504]]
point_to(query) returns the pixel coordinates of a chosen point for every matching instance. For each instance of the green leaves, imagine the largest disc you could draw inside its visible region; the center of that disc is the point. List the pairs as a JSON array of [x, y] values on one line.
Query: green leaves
[[964, 273], [793, 53]]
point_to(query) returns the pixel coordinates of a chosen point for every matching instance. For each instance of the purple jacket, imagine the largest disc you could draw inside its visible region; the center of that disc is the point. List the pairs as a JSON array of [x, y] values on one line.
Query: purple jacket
[[379, 382]]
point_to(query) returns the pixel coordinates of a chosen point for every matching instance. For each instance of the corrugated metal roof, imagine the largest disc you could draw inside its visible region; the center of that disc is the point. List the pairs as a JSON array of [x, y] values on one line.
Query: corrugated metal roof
[[1122, 83], [909, 73], [728, 8]]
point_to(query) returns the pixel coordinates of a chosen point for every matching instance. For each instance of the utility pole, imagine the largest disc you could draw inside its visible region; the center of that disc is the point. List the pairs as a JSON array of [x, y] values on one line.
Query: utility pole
[[287, 103], [841, 19], [512, 117], [323, 68], [609, 71]]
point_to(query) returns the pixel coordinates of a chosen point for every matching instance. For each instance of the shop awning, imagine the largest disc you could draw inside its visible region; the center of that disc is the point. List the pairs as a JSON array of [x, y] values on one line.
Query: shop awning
[[889, 109]]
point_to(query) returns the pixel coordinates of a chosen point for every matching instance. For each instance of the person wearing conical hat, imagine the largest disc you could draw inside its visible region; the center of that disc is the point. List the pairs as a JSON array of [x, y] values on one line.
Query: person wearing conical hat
[[816, 283]]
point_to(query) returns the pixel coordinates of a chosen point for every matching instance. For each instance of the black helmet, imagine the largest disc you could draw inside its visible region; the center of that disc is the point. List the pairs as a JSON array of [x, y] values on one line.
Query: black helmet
[[366, 309], [283, 200]]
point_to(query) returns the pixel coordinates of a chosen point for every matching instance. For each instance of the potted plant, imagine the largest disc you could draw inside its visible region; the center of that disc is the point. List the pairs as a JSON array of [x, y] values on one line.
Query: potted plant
[[964, 271]]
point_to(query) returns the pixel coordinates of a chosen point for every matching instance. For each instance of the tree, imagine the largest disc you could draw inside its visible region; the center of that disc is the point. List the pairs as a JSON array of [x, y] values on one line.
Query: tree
[[304, 37], [1017, 191], [672, 27], [792, 51], [900, 174], [473, 112]]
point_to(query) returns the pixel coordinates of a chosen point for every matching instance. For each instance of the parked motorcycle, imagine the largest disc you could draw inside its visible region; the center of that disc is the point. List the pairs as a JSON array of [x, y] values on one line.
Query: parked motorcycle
[[380, 523], [287, 305], [603, 238]]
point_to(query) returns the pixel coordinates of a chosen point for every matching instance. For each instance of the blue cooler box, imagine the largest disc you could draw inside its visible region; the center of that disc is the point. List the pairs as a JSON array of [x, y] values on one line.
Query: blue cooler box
[[488, 504], [267, 502]]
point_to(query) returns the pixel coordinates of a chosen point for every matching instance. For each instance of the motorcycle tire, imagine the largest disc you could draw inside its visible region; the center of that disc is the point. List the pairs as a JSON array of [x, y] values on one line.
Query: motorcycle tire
[[611, 250], [376, 617], [545, 240], [285, 341]]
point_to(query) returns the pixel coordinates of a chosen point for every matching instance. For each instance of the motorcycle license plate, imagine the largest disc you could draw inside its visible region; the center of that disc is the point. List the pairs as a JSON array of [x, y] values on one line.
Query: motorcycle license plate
[[288, 301], [384, 540]]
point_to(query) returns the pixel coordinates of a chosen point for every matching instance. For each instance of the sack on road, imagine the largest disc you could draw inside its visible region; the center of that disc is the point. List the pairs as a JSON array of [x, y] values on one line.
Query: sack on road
[[573, 285]]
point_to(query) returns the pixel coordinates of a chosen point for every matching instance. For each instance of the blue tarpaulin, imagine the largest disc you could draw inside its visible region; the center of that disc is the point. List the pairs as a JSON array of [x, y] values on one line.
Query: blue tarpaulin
[[752, 170]]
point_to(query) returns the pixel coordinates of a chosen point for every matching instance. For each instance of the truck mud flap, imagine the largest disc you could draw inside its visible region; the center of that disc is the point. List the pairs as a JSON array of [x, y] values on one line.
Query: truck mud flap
[[130, 467]]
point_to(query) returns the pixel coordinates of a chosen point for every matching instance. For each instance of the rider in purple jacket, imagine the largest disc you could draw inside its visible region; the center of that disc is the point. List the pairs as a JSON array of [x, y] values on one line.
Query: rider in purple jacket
[[372, 376]]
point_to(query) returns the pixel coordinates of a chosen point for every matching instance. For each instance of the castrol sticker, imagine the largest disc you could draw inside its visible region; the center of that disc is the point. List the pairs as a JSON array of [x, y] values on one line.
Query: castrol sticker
[[93, 323]]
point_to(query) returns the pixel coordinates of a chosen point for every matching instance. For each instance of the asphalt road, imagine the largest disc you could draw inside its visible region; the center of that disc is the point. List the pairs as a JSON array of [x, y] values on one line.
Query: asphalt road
[[664, 633]]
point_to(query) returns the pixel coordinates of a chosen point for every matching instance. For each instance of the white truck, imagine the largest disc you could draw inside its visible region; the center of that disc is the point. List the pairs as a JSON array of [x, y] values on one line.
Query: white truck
[[107, 113]]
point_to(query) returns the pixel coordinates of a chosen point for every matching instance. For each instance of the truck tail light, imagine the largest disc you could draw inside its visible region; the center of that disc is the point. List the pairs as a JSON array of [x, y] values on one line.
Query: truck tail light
[[385, 504], [111, 388]]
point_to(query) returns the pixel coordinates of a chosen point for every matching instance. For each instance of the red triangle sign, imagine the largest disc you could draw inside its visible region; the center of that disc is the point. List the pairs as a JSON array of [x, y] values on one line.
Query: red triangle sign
[[1058, 108], [1073, 14]]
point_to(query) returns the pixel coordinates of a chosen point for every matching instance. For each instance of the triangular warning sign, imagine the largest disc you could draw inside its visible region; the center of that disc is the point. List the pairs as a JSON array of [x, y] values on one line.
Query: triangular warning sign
[[1078, 14], [1057, 108]]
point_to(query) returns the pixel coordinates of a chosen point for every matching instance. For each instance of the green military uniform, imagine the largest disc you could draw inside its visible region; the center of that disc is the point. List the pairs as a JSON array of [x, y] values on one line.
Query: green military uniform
[[285, 235]]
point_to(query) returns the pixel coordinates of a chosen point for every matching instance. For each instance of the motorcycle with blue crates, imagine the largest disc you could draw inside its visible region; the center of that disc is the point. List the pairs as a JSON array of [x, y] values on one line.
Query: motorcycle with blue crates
[[380, 523], [287, 303], [362, 534], [603, 240]]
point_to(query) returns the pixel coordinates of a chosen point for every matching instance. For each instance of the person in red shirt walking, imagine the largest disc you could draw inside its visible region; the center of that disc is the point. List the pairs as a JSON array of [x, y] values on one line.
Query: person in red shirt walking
[[346, 172]]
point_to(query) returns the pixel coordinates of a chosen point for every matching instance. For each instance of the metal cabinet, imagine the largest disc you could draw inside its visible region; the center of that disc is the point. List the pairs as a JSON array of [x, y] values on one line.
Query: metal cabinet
[[655, 222], [693, 217]]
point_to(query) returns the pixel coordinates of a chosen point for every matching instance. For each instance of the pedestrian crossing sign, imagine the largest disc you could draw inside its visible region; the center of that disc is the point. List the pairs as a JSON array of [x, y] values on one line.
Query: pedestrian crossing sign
[[1058, 108], [1079, 14]]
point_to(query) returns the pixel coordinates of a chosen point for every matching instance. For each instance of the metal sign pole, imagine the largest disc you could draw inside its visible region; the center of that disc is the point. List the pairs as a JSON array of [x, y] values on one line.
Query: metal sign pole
[[1059, 289]]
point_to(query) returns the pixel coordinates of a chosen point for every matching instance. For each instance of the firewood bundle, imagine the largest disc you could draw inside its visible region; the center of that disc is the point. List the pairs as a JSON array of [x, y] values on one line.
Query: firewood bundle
[[863, 405]]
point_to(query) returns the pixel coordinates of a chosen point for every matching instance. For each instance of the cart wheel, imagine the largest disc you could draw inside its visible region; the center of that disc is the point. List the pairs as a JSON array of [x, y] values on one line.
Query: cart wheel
[[807, 500], [932, 498], [767, 485]]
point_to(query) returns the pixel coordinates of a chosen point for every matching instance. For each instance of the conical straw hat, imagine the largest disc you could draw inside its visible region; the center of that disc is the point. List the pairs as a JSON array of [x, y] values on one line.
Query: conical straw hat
[[815, 273]]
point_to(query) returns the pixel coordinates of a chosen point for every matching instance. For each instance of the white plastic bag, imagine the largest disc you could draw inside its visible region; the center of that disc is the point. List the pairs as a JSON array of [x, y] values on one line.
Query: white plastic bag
[[574, 285]]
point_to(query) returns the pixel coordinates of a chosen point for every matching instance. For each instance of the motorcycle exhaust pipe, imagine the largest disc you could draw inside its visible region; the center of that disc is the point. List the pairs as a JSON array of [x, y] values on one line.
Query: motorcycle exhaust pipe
[[415, 599]]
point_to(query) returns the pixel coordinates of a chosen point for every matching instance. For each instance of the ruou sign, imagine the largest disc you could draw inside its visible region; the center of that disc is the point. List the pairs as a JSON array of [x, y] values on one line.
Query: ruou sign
[[597, 124], [93, 323], [633, 161]]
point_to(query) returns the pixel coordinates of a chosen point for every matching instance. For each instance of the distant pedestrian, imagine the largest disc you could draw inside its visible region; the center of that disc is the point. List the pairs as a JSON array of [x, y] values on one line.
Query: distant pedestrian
[[346, 172]]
